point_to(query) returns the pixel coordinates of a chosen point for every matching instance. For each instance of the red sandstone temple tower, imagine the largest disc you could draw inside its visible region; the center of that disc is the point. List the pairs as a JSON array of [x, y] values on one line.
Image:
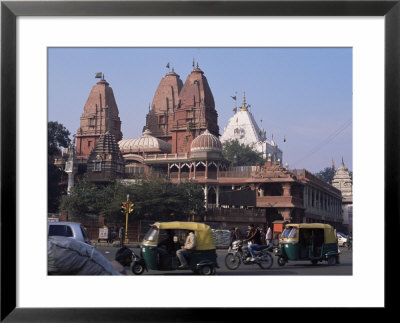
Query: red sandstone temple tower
[[165, 102], [100, 114], [179, 119]]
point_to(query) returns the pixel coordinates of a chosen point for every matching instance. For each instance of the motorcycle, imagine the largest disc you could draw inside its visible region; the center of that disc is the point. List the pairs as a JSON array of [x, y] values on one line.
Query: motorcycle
[[239, 253]]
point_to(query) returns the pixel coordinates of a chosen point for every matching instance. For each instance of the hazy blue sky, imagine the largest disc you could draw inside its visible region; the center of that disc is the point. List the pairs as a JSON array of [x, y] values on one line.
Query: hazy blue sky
[[303, 94]]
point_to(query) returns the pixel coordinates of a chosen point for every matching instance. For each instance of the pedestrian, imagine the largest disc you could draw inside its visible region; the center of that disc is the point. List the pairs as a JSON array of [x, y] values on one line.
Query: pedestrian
[[268, 236], [262, 235], [121, 237], [234, 235], [186, 250]]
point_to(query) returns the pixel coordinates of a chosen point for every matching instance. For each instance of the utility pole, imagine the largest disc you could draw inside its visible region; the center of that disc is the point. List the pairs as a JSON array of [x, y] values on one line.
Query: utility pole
[[127, 208]]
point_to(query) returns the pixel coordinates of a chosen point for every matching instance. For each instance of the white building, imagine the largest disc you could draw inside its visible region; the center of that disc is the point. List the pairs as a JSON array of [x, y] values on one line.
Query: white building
[[343, 182], [244, 128]]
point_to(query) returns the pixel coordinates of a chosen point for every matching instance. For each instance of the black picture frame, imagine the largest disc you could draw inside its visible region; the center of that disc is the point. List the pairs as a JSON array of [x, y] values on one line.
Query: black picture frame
[[10, 10]]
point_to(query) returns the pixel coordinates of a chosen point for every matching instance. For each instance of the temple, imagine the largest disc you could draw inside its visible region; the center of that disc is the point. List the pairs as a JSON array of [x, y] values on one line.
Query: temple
[[181, 141], [243, 128]]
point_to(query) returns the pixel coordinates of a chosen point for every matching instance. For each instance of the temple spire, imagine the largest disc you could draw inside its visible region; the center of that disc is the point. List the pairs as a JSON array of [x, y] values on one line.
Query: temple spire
[[244, 106]]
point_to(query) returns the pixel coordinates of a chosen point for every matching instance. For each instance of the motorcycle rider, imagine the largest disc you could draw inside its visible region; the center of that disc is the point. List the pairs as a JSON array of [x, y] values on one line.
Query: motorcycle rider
[[255, 238]]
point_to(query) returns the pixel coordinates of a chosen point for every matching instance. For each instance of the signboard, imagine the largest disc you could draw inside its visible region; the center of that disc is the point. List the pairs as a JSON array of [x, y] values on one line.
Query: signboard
[[103, 233]]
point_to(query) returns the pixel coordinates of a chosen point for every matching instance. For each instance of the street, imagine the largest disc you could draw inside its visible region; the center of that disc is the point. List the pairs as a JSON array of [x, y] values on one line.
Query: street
[[291, 268]]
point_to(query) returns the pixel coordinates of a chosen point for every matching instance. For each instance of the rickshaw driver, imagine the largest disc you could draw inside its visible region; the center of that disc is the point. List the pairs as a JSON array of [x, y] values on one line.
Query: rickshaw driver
[[186, 250], [167, 246]]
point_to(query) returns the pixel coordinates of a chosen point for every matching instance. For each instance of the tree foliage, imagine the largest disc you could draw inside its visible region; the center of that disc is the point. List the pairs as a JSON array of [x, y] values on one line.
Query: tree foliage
[[153, 198], [240, 154], [57, 138], [326, 174]]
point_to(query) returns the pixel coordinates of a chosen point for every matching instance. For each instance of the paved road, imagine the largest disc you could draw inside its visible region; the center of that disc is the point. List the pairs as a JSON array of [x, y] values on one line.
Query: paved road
[[292, 268]]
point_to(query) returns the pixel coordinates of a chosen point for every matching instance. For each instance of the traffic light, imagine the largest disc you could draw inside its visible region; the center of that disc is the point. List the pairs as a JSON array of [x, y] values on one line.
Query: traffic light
[[123, 207], [130, 209]]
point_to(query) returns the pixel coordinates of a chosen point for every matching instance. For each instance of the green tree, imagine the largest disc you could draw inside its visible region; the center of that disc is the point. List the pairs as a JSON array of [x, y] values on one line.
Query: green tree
[[240, 154], [157, 199], [57, 138], [326, 174], [154, 199], [85, 198]]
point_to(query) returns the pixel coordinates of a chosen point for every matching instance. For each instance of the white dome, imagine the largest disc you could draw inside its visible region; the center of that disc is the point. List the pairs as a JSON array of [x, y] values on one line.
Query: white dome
[[145, 143], [206, 142]]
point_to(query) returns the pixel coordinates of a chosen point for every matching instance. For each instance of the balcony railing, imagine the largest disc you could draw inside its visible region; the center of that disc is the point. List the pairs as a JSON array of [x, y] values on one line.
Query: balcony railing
[[166, 156]]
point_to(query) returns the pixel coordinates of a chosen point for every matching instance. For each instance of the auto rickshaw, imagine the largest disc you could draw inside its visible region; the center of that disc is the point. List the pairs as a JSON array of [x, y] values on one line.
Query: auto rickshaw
[[203, 260], [308, 241]]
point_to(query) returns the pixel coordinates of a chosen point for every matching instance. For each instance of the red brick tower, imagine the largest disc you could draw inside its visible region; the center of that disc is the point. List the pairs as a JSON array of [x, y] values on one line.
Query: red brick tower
[[196, 112], [100, 114], [165, 102], [178, 119]]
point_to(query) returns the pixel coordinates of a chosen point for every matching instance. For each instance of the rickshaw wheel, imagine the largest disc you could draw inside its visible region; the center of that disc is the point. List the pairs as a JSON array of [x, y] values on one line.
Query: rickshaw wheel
[[281, 261], [331, 260], [232, 261], [206, 270], [137, 269]]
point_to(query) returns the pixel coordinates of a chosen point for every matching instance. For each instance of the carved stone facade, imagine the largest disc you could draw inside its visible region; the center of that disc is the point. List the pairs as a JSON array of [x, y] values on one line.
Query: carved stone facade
[[100, 114], [179, 113], [105, 162]]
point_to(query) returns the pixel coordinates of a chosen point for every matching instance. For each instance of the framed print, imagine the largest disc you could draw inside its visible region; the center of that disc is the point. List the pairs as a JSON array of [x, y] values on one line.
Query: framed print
[[29, 28]]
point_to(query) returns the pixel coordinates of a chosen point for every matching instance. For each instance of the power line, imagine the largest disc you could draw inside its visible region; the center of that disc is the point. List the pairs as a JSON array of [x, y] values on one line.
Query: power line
[[325, 141]]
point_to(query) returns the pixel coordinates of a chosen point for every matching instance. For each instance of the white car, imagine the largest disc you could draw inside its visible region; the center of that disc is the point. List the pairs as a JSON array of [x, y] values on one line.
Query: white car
[[342, 239], [68, 229]]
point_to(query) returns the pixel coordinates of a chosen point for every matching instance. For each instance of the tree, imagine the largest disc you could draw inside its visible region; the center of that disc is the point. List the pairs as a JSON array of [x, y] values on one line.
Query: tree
[[57, 138], [157, 198], [84, 198], [154, 199], [240, 154], [326, 175]]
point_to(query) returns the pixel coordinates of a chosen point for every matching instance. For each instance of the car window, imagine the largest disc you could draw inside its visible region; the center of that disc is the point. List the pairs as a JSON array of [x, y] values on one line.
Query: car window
[[60, 230], [84, 234]]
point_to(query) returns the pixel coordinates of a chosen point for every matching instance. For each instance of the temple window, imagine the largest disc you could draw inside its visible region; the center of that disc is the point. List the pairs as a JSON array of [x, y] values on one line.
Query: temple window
[[97, 166]]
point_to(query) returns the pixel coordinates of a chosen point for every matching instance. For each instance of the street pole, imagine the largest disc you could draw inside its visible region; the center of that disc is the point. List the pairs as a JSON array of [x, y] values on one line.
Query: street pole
[[126, 219]]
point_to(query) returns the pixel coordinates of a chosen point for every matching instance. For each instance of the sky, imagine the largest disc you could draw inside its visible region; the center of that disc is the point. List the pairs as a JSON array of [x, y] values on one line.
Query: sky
[[303, 95]]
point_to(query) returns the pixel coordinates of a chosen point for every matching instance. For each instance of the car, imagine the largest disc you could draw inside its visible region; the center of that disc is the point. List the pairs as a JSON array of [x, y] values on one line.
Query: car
[[68, 229], [342, 239]]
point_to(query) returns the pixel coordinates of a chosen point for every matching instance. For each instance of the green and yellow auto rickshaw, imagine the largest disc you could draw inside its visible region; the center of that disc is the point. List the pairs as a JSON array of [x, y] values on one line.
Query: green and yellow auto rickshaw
[[308, 241], [159, 246]]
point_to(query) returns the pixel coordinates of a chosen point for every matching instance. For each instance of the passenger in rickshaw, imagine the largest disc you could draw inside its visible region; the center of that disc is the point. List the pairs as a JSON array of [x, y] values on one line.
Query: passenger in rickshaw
[[184, 253], [304, 242], [317, 241]]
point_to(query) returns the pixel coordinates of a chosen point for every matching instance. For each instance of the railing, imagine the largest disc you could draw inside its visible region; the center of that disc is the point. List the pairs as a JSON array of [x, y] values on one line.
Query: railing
[[166, 156], [233, 174]]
